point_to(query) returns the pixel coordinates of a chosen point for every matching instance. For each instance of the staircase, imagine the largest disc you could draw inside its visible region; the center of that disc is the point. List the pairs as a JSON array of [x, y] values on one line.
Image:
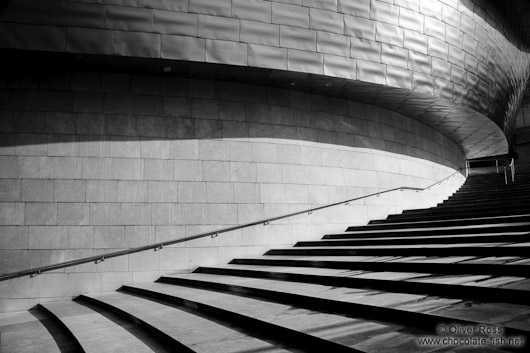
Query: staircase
[[458, 271]]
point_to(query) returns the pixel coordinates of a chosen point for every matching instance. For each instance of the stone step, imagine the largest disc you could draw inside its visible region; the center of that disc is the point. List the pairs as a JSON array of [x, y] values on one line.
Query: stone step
[[93, 331], [402, 239], [416, 311], [34, 331], [421, 217], [482, 250], [500, 266], [181, 328], [471, 287], [352, 233], [312, 330], [383, 224], [470, 209]]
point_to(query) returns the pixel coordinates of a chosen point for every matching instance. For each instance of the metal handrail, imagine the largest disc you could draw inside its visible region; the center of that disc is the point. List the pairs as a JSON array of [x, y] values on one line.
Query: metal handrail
[[158, 246]]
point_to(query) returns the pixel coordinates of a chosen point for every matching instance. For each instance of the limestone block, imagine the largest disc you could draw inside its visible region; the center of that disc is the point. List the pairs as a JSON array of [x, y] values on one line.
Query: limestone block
[[132, 191], [105, 214], [191, 192], [162, 191], [144, 261], [168, 233], [265, 152], [42, 257], [232, 111], [273, 193], [63, 145], [239, 151], [139, 235], [204, 109], [31, 145], [101, 191], [69, 191], [216, 171], [13, 260], [111, 281], [174, 259], [219, 192], [12, 237], [60, 122], [112, 237], [156, 169], [94, 146], [249, 212], [212, 150], [203, 257], [184, 149], [10, 190], [187, 170], [77, 237], [39, 213], [135, 214], [225, 214], [79, 283], [128, 169], [177, 107], [194, 214], [113, 264], [235, 130], [314, 175], [90, 124], [150, 107], [292, 173], [247, 193], [124, 147], [151, 126], [268, 173], [296, 193], [146, 276], [154, 148], [73, 214], [60, 168], [243, 172], [164, 213], [317, 194], [51, 285]]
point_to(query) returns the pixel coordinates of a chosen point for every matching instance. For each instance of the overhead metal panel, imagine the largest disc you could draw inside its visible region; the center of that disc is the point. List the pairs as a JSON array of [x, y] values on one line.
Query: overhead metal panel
[[434, 28], [171, 22], [79, 14], [454, 36], [359, 8], [173, 5], [438, 48], [47, 38], [340, 66], [371, 72], [208, 7], [394, 55], [411, 19], [291, 15], [387, 33], [215, 27], [420, 62], [298, 38], [451, 15], [265, 56], [359, 27], [441, 69], [398, 77], [415, 41], [95, 41], [260, 33], [326, 21], [254, 10], [432, 8], [183, 48], [125, 18], [137, 44], [331, 43], [225, 52], [384, 12], [305, 61], [365, 49]]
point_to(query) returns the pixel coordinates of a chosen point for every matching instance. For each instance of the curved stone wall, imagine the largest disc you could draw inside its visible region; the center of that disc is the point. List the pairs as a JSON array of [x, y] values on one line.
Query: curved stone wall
[[92, 162], [449, 63]]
